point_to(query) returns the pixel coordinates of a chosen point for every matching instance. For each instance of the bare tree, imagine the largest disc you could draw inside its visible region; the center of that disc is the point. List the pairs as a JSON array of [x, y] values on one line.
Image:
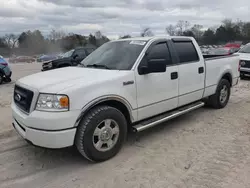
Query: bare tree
[[56, 34], [171, 30], [98, 35], [11, 40], [147, 32], [197, 31], [227, 23], [182, 26]]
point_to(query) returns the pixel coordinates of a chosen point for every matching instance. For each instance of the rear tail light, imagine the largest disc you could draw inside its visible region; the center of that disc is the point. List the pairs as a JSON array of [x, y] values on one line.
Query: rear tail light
[[5, 64]]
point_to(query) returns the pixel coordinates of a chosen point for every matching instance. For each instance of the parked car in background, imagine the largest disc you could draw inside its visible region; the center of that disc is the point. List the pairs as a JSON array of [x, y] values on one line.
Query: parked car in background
[[22, 59], [128, 84], [70, 58], [244, 60], [221, 51], [5, 71], [235, 46]]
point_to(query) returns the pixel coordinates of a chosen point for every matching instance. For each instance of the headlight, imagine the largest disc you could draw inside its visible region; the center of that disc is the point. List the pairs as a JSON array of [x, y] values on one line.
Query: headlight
[[52, 102], [50, 65]]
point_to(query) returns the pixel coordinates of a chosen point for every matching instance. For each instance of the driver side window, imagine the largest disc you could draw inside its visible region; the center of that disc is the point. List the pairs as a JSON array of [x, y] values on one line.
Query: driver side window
[[80, 53], [159, 51]]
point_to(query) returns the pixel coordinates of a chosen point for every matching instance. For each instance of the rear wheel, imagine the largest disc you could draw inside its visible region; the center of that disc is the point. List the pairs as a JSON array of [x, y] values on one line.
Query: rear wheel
[[101, 133], [222, 95]]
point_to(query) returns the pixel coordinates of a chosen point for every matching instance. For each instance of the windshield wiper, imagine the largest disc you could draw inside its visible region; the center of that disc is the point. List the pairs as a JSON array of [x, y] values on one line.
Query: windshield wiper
[[98, 65]]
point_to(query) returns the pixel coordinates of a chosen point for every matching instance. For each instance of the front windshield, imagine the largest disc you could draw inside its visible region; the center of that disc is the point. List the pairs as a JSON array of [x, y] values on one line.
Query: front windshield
[[245, 49], [68, 54], [118, 55]]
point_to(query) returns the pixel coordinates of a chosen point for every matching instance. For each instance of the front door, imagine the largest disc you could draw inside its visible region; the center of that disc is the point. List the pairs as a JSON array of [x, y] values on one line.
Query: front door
[[157, 92]]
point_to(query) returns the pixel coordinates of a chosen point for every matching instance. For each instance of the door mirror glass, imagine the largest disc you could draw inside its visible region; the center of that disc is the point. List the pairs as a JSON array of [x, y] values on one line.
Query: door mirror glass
[[153, 66], [75, 56], [157, 65]]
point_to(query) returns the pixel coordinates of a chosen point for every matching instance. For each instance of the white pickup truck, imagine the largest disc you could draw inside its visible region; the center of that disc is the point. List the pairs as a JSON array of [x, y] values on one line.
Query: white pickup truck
[[244, 54], [128, 84]]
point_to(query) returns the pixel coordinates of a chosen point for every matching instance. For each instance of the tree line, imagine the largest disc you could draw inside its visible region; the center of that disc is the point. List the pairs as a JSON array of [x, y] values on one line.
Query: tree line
[[33, 42]]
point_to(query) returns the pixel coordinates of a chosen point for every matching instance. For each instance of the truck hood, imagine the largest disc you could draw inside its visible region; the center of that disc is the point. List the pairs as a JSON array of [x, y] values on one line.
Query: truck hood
[[60, 79], [244, 56]]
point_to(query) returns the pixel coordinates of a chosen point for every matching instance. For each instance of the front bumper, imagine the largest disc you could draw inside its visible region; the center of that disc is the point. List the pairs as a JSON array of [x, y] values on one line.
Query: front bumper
[[46, 69], [46, 129], [46, 139], [244, 70]]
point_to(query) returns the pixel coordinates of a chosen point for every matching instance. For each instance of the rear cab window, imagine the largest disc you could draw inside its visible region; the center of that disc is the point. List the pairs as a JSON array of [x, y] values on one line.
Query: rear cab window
[[186, 51]]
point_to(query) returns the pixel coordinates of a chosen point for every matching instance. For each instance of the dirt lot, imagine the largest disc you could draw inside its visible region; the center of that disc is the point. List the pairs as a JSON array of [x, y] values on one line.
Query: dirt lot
[[205, 148]]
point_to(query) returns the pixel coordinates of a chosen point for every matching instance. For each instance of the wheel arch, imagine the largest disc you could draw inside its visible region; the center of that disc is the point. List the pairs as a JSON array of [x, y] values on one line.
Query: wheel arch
[[228, 76], [114, 101]]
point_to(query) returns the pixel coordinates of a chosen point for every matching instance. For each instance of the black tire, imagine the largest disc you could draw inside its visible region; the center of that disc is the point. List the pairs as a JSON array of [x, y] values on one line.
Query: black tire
[[84, 139], [215, 100], [1, 78], [8, 79], [242, 76]]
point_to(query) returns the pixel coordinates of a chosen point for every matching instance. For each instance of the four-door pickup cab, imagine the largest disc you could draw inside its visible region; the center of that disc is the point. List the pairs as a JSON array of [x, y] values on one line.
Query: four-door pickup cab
[[70, 58], [128, 84]]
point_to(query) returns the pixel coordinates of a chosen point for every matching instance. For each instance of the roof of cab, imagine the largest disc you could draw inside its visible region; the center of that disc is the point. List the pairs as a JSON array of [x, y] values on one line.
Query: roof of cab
[[155, 38]]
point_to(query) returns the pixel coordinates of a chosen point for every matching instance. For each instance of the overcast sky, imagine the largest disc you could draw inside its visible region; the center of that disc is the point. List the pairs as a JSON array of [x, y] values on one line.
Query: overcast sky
[[115, 17]]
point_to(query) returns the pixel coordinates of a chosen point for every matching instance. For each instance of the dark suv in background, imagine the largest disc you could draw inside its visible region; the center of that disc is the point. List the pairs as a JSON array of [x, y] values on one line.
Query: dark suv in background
[[70, 58]]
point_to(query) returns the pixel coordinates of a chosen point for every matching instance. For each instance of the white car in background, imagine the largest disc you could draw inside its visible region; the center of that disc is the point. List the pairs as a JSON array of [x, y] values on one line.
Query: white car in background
[[244, 60]]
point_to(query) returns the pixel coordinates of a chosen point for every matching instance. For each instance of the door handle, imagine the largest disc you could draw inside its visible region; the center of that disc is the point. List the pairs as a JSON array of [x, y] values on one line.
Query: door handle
[[174, 75], [201, 70]]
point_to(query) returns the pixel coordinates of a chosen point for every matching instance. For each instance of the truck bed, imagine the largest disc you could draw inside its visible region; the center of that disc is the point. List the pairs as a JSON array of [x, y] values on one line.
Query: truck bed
[[210, 57], [216, 66]]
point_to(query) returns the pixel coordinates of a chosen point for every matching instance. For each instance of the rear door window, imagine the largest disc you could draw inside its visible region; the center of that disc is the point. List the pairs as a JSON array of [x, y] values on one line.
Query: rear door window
[[186, 51]]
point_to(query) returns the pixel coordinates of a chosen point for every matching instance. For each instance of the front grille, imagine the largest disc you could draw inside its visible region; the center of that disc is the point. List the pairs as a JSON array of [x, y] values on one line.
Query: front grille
[[246, 64], [23, 98]]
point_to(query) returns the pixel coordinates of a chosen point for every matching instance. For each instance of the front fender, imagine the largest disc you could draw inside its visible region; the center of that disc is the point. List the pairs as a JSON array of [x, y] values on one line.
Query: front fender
[[101, 99]]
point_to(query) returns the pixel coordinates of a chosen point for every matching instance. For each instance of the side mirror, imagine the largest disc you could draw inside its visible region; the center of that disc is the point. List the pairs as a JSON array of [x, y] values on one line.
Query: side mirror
[[75, 56], [153, 66]]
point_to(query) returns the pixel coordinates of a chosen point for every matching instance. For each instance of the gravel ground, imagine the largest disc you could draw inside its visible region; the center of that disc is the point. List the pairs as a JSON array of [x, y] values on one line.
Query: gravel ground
[[205, 148]]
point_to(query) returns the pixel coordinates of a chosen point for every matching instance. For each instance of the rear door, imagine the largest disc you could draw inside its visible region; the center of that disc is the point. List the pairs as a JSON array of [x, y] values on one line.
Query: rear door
[[191, 71]]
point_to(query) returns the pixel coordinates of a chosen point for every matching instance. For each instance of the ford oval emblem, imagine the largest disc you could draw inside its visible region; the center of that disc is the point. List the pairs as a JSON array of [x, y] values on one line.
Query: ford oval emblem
[[243, 63], [18, 97]]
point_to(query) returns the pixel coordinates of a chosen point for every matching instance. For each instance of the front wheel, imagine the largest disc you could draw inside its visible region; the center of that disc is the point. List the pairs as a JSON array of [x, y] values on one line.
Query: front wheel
[[221, 97], [101, 133]]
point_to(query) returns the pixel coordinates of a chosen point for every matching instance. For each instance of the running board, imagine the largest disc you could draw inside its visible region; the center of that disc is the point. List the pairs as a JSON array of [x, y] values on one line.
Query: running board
[[166, 116]]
